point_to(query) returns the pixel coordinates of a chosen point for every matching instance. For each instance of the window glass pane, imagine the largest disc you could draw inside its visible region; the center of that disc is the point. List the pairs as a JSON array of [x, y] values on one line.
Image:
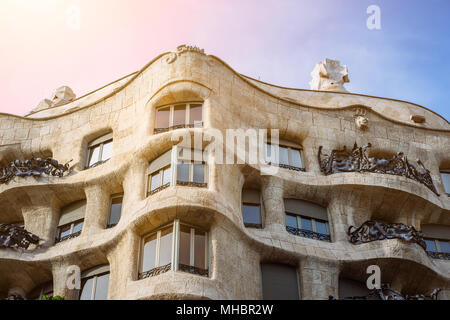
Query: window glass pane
[[64, 231], [116, 210], [155, 181], [149, 255], [185, 245], [251, 214], [183, 172], [268, 152], [94, 153], [296, 160], [199, 173], [101, 291], [200, 247], [321, 227], [431, 245], [179, 115], [162, 118], [167, 176], [165, 250], [444, 246], [195, 115], [284, 156], [86, 289], [78, 226], [306, 224], [107, 150], [446, 181], [291, 221]]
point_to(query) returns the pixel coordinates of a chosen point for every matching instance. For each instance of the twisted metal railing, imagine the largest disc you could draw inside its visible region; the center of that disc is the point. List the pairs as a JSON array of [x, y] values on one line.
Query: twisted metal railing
[[193, 270], [33, 167], [155, 271], [308, 234], [374, 231], [357, 160], [14, 236]]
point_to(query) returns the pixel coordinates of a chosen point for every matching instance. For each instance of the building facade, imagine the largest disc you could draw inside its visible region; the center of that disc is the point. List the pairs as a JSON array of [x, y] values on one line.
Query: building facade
[[102, 186]]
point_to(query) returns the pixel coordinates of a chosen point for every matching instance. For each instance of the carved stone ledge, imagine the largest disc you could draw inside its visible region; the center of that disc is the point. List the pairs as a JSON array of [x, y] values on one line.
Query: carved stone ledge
[[357, 160], [13, 236], [33, 167], [375, 231]]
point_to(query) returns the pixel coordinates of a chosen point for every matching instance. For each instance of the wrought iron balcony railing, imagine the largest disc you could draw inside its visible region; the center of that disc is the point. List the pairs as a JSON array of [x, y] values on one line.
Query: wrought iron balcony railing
[[308, 234], [193, 270], [164, 186], [33, 167], [439, 255], [69, 236], [357, 160], [155, 271], [387, 293], [286, 166], [14, 236], [192, 184], [375, 231]]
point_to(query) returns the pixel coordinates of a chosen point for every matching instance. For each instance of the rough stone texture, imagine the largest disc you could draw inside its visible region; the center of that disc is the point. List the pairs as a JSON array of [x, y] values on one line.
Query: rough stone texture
[[329, 75], [309, 118]]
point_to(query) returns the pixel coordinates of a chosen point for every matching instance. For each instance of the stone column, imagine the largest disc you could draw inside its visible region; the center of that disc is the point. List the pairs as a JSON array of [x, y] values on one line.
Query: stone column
[[97, 202], [273, 203], [60, 271], [134, 184], [319, 279], [41, 221]]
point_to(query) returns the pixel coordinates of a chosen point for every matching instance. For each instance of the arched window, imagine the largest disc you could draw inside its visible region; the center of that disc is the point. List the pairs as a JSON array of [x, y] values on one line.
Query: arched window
[[95, 283], [181, 115], [279, 282], [71, 221], [99, 150], [307, 219]]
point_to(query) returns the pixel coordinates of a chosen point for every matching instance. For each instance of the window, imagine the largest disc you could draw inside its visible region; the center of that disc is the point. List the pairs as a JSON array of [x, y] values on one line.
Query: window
[[178, 242], [289, 157], [115, 210], [191, 169], [95, 283], [307, 219], [71, 221], [251, 208], [99, 151], [445, 175], [159, 174], [279, 282], [182, 115], [437, 239]]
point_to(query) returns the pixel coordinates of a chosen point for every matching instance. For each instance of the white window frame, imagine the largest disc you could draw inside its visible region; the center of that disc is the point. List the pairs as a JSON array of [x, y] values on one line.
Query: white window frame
[[72, 225], [187, 115], [174, 266], [114, 196], [92, 146], [298, 148], [161, 177], [94, 283]]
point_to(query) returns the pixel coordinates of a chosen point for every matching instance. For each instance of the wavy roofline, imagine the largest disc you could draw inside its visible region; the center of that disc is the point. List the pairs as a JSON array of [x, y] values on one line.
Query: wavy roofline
[[247, 80]]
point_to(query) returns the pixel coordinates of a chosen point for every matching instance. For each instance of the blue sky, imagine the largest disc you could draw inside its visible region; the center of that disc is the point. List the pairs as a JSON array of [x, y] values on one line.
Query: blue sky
[[277, 41]]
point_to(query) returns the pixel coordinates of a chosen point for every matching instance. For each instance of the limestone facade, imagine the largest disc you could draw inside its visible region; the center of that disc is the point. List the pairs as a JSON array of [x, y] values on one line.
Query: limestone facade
[[307, 118]]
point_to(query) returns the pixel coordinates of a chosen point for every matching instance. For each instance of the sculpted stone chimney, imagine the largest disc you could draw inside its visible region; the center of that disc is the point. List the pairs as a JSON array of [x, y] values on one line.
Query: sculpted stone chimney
[[329, 75]]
